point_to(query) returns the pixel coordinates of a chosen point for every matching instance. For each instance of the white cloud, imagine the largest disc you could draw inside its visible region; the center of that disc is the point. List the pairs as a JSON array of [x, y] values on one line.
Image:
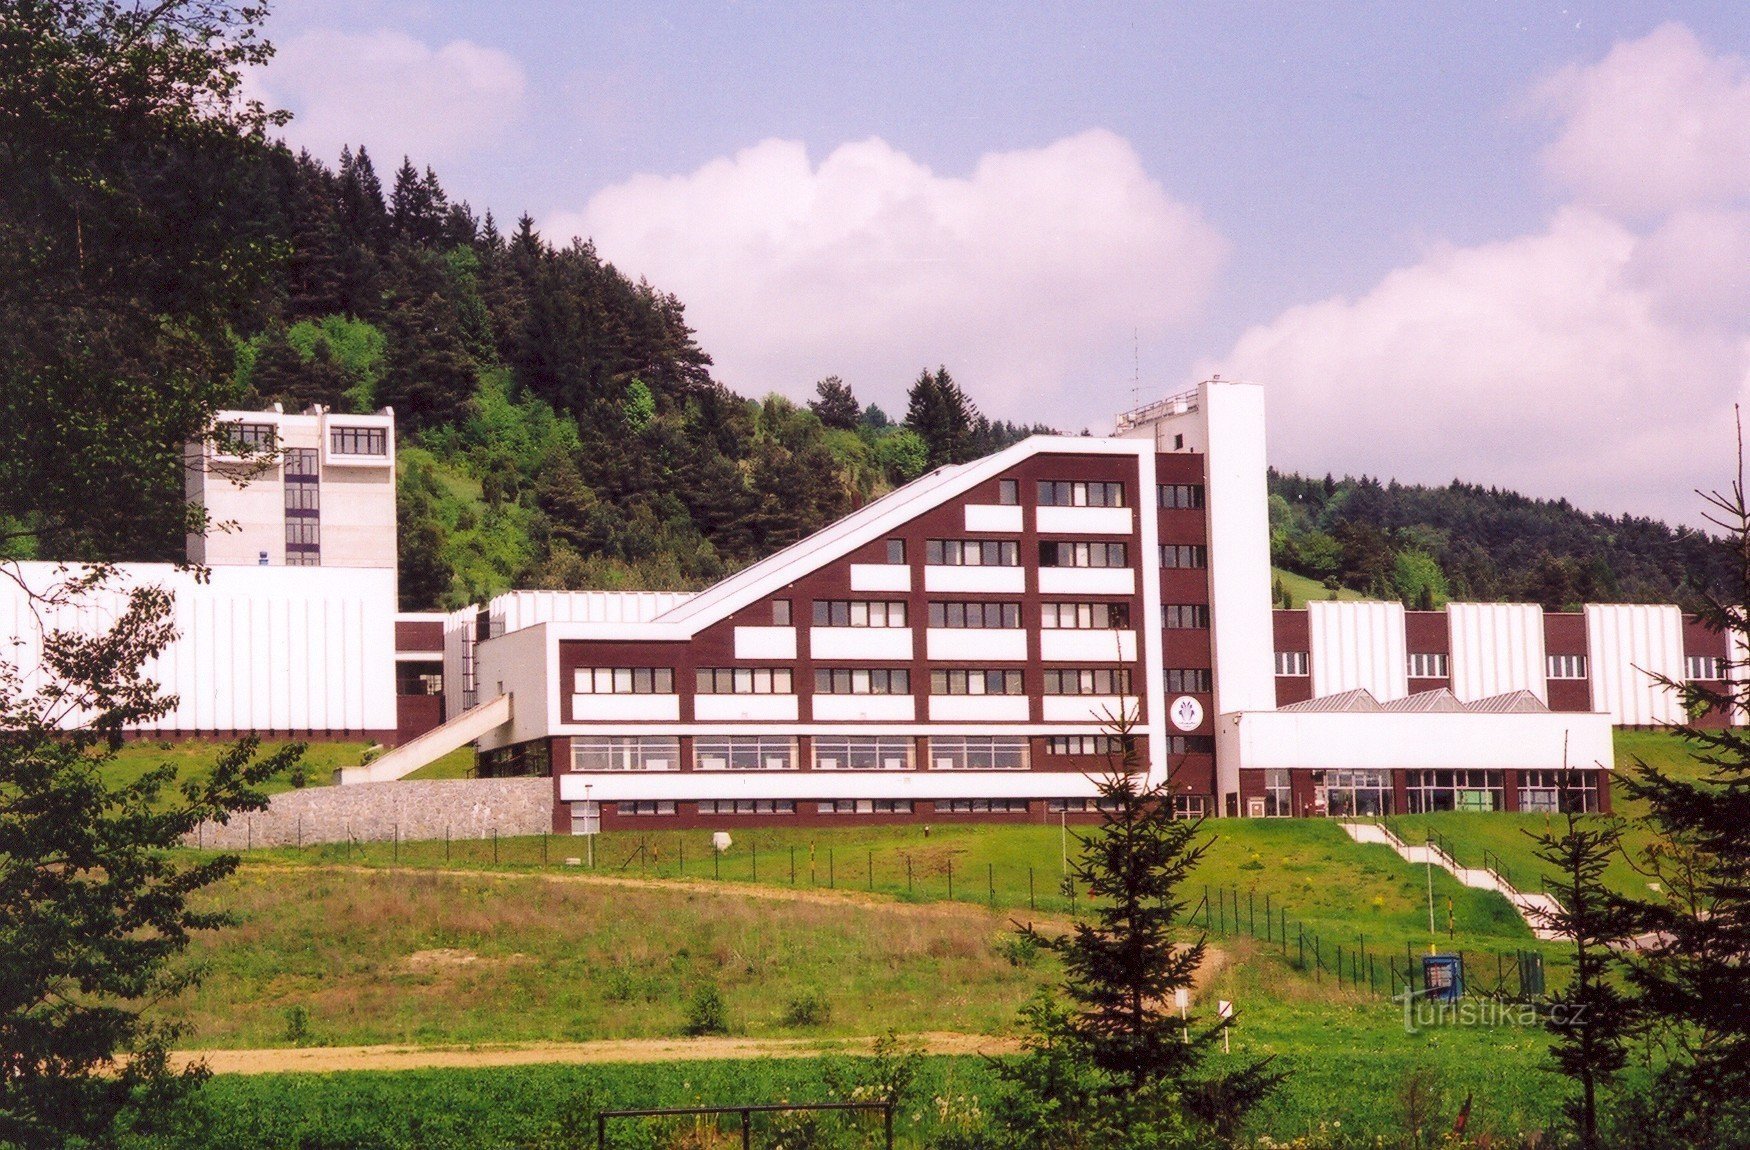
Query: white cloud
[[871, 266], [1657, 125], [396, 94], [1597, 358]]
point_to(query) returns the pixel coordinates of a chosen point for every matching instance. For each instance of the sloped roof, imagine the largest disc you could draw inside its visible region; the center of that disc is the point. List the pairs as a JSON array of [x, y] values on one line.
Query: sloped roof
[[1359, 699], [1439, 699], [1513, 702]]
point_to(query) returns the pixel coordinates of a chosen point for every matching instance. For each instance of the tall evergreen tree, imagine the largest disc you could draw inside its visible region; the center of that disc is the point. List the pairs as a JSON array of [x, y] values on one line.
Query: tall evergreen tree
[[942, 414], [836, 405], [428, 376]]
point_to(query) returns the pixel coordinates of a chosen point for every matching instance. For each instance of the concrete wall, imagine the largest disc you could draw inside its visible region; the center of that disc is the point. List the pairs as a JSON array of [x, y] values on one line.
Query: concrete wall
[[378, 812]]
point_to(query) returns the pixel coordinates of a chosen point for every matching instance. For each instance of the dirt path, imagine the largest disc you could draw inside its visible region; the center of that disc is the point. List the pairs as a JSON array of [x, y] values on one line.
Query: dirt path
[[327, 1059]]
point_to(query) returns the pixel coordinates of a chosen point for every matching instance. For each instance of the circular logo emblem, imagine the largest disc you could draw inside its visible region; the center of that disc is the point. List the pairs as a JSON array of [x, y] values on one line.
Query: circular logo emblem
[[1186, 713]]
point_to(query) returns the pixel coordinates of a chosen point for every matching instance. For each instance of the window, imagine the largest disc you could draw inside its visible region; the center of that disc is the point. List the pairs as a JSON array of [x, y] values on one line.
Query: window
[[1182, 496], [626, 753], [1058, 554], [964, 682], [1088, 681], [1190, 679], [1428, 791], [744, 753], [303, 542], [1190, 744], [1008, 492], [302, 497], [859, 613], [586, 818], [1084, 745], [1545, 791], [853, 753], [1291, 663], [1184, 555], [1567, 666], [301, 463], [1427, 665], [746, 807], [1704, 667], [623, 681], [358, 441], [1348, 793], [780, 612], [866, 807], [980, 616], [1278, 795], [524, 760], [1061, 493], [862, 681], [895, 551], [981, 806], [303, 503], [1185, 616], [977, 753], [972, 553], [1080, 806], [250, 437], [1085, 616], [1191, 806], [645, 807], [744, 681], [419, 678]]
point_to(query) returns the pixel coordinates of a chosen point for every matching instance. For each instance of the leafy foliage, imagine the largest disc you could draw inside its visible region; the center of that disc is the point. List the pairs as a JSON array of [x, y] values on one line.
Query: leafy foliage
[[94, 905]]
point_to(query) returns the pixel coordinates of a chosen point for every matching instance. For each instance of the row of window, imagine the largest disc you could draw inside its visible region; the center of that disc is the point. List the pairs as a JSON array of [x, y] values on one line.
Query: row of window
[[341, 440], [1188, 555], [957, 614], [1060, 493], [1348, 793], [1438, 665], [779, 753], [840, 807], [1007, 553], [873, 681]]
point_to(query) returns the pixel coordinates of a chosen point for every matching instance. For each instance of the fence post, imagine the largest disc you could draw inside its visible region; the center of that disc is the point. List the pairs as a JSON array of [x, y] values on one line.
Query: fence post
[[446, 844], [756, 859], [1409, 969], [494, 846], [300, 832], [887, 1118], [990, 881], [395, 846], [871, 871], [746, 1129], [907, 874], [682, 848], [716, 863], [1032, 903], [950, 880], [544, 837], [792, 866], [1252, 913], [1267, 927], [601, 1132], [831, 879]]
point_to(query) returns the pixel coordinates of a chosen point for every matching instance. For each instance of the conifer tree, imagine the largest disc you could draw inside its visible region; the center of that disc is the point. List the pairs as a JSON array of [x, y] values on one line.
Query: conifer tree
[[942, 414], [836, 406], [1691, 974]]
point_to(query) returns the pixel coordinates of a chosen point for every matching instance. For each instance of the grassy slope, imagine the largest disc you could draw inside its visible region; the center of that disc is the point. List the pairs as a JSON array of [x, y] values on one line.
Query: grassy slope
[[1300, 588], [195, 758], [1334, 889], [1505, 835]]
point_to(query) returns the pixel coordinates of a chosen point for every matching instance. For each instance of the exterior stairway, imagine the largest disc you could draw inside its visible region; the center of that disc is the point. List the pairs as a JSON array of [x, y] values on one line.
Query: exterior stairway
[[1535, 909]]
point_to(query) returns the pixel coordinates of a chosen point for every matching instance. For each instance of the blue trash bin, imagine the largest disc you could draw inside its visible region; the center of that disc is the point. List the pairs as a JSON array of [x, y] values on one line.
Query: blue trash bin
[[1443, 977]]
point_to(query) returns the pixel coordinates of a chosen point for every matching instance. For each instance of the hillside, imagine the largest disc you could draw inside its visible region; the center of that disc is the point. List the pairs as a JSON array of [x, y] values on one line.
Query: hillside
[[1425, 545]]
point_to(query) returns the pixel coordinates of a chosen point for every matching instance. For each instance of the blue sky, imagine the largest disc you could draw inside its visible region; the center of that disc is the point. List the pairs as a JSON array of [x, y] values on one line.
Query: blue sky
[[1490, 241]]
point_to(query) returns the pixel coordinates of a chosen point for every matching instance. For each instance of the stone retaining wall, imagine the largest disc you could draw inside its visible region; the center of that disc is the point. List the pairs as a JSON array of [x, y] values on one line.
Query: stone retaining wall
[[378, 812]]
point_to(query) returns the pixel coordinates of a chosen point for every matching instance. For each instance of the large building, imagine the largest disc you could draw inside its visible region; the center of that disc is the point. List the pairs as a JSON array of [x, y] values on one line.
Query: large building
[[968, 646]]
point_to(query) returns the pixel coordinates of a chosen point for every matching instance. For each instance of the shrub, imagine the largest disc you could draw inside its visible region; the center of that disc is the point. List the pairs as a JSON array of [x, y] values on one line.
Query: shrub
[[810, 1008], [706, 1012], [1019, 949]]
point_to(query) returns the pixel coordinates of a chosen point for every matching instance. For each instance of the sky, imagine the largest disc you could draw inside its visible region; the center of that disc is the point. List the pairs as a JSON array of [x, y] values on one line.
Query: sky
[[1502, 242]]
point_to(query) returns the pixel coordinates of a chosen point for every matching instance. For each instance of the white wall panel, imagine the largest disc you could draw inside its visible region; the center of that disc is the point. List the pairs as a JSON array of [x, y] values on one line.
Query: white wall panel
[[977, 580], [1628, 644], [631, 708], [1335, 740], [975, 643], [979, 708], [1084, 520], [1087, 646], [765, 642], [1242, 634], [880, 577], [1087, 581], [1496, 648], [1100, 709], [853, 708], [985, 517], [611, 786], [734, 708], [1355, 645], [860, 643]]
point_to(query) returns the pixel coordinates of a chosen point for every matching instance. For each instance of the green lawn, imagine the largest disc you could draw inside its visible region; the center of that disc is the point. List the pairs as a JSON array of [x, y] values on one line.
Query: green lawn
[[1300, 588], [194, 758], [458, 764]]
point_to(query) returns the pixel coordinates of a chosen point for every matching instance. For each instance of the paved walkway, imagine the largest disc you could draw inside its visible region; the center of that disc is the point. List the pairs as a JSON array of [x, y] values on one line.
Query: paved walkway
[[1535, 909]]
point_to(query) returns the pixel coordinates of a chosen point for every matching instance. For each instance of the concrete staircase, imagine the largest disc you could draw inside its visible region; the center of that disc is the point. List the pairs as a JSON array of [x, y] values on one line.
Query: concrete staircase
[[1535, 909]]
